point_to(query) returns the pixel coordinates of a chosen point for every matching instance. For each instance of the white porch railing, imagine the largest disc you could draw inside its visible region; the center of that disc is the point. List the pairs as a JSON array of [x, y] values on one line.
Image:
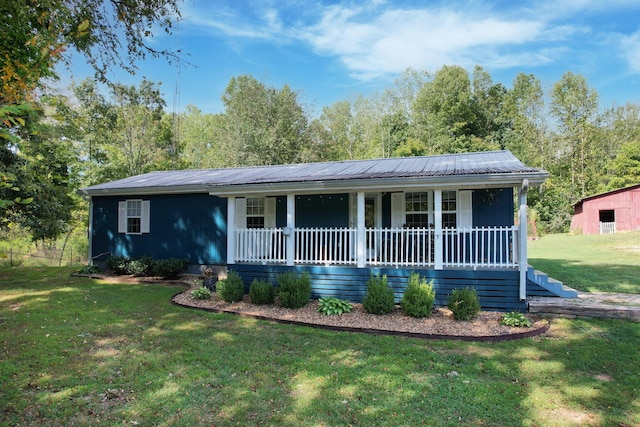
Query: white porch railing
[[325, 246], [478, 247], [263, 245]]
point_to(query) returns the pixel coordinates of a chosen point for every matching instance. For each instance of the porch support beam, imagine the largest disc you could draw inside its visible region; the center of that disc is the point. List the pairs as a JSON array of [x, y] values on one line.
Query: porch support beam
[[231, 230], [291, 227], [522, 241], [360, 240], [437, 231]]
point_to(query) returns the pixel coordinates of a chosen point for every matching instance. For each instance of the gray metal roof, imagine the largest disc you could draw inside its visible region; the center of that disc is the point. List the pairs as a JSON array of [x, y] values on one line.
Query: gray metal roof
[[483, 168]]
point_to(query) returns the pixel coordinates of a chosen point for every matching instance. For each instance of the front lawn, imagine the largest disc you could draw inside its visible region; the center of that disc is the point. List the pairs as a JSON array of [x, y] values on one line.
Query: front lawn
[[77, 351], [590, 263]]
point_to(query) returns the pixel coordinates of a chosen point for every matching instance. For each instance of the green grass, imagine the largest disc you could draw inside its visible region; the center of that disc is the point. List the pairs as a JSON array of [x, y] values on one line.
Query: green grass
[[76, 351], [590, 263]]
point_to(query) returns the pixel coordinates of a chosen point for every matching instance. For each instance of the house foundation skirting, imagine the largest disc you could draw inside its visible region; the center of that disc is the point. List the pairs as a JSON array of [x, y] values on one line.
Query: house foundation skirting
[[498, 290]]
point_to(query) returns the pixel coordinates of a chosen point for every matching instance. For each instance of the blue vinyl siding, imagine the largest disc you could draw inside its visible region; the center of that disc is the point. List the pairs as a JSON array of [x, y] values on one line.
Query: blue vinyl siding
[[497, 289], [325, 210], [191, 226], [493, 207]]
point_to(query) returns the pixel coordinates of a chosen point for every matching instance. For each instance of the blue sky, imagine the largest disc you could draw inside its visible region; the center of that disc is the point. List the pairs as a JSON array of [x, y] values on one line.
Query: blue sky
[[334, 50]]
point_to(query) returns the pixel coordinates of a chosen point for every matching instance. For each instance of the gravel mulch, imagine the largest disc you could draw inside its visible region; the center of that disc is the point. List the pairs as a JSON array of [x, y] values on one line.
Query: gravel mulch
[[440, 325]]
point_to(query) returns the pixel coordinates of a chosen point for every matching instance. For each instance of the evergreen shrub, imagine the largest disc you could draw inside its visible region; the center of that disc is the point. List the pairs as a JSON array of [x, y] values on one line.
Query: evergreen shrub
[[419, 297], [231, 289], [379, 298], [294, 290], [119, 264], [261, 292], [169, 268], [464, 303], [142, 267]]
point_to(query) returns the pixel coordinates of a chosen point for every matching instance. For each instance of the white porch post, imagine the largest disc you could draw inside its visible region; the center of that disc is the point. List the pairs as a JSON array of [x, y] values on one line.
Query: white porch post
[[437, 222], [522, 215], [360, 240], [231, 230], [291, 225]]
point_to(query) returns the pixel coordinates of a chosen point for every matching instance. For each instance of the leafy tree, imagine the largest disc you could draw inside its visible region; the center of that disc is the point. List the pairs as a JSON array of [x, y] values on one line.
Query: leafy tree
[[263, 125], [574, 105], [203, 138], [625, 167]]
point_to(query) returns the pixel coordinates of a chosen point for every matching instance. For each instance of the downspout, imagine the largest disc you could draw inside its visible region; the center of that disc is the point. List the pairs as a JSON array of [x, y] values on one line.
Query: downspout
[[90, 231], [522, 216]]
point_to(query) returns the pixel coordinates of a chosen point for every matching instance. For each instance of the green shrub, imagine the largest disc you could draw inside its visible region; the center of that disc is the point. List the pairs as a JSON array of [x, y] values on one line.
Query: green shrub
[[518, 320], [379, 298], [294, 291], [231, 289], [169, 268], [142, 267], [418, 298], [332, 305], [119, 264], [464, 303], [261, 292], [201, 293], [90, 269]]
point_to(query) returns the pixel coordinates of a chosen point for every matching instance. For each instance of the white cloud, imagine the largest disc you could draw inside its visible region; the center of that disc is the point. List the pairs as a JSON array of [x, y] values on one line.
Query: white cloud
[[630, 46], [393, 40]]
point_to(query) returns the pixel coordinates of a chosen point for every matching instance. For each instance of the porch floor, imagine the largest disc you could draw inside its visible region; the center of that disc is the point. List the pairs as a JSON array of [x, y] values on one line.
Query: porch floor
[[589, 305]]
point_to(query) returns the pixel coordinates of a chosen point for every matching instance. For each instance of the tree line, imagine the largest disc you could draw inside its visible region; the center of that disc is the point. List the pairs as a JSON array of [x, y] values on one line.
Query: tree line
[[55, 143]]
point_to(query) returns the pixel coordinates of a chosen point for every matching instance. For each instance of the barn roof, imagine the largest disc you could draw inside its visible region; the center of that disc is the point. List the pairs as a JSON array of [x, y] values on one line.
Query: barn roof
[[483, 169], [608, 193]]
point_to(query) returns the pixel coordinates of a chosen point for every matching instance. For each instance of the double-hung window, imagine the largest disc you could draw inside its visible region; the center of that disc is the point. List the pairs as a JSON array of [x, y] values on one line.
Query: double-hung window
[[449, 209], [133, 216], [255, 212], [417, 210]]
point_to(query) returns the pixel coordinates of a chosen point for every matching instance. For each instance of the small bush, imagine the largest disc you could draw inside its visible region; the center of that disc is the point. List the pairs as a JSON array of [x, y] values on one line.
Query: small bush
[[119, 264], [201, 293], [419, 297], [231, 289], [169, 268], [142, 267], [464, 303], [90, 269], [332, 305], [518, 320], [295, 291], [261, 292], [379, 298]]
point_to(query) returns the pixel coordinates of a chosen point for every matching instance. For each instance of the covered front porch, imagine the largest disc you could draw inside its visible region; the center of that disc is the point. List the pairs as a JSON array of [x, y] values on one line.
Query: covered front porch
[[418, 228]]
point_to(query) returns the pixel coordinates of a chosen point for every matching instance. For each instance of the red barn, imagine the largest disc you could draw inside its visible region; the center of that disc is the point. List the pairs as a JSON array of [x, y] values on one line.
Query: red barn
[[617, 210]]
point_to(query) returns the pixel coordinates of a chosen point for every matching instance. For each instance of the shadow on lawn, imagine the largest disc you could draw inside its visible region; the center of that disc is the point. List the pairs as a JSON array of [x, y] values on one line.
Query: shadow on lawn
[[119, 353], [591, 278]]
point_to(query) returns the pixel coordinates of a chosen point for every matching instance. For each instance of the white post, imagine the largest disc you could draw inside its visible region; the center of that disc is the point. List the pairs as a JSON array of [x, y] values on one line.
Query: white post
[[437, 232], [291, 225], [361, 240], [231, 230], [522, 215]]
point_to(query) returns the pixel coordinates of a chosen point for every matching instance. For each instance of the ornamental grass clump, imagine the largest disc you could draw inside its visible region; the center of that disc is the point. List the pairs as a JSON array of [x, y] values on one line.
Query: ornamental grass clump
[[379, 298], [294, 291], [332, 306], [201, 293], [231, 289], [464, 303], [261, 292], [419, 297]]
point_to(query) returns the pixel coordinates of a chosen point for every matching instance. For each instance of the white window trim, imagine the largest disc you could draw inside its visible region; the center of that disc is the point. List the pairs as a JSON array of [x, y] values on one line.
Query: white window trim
[[269, 213], [464, 208], [145, 207]]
